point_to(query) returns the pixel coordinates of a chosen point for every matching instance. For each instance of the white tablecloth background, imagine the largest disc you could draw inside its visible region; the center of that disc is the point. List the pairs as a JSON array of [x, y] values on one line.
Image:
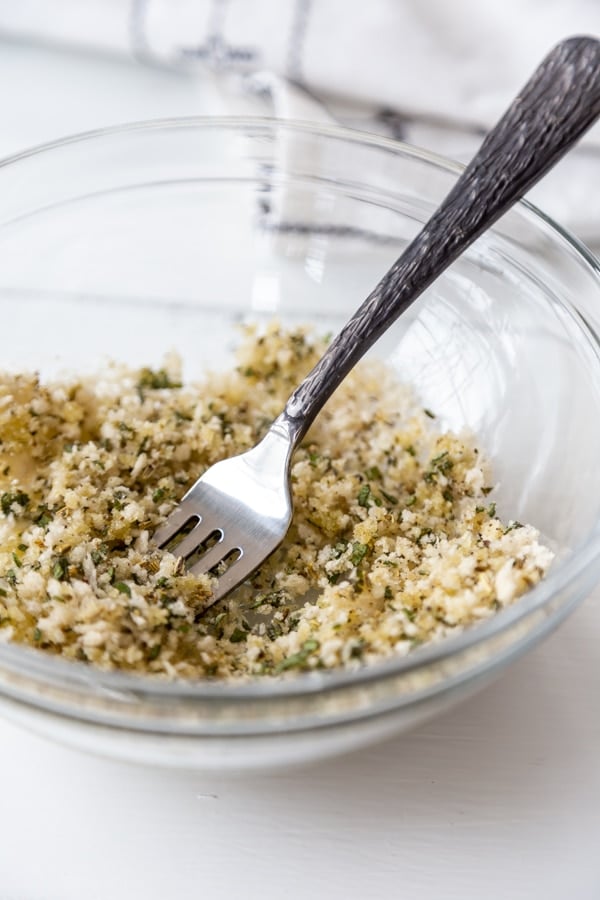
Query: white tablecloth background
[[498, 799], [433, 72]]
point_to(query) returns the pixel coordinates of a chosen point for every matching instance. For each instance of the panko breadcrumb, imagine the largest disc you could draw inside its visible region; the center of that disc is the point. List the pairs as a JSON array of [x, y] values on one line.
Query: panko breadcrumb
[[394, 542]]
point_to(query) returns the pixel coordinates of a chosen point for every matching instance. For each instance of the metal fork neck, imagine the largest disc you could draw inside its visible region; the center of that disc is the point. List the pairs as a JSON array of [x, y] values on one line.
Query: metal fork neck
[[291, 428]]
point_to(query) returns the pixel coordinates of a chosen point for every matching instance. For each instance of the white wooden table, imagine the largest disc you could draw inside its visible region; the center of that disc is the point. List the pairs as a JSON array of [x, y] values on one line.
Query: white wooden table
[[499, 799]]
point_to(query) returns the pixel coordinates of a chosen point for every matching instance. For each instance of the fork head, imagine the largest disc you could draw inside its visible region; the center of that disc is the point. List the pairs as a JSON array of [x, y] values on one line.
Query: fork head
[[236, 514]]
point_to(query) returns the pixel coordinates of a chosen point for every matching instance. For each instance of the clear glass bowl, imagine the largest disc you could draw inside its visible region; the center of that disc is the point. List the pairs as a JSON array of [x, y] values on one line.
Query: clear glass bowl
[[130, 241]]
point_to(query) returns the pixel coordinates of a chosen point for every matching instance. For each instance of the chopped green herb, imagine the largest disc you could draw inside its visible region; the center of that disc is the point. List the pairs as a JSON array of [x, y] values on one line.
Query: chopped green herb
[[359, 551], [439, 465], [60, 568], [373, 473], [389, 497], [8, 498], [274, 631], [216, 623], [122, 588], [388, 593], [486, 490], [340, 548], [17, 561], [44, 516], [298, 660], [512, 527], [442, 463], [37, 634], [237, 636], [358, 649], [274, 599], [154, 651], [428, 413], [156, 379], [159, 495], [492, 510], [364, 495], [310, 645]]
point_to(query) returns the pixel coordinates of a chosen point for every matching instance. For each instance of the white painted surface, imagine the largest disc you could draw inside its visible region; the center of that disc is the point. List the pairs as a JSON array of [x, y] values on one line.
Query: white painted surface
[[498, 799]]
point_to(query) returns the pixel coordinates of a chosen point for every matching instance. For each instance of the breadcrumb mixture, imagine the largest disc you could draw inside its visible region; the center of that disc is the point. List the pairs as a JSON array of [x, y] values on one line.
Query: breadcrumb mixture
[[395, 540]]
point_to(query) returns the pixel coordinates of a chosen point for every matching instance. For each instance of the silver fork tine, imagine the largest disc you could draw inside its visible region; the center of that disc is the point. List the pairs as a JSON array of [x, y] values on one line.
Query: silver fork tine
[[174, 523], [216, 500], [212, 556], [230, 579], [197, 536]]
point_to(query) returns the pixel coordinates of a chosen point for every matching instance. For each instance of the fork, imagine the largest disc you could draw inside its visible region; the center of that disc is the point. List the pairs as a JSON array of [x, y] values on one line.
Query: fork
[[239, 511]]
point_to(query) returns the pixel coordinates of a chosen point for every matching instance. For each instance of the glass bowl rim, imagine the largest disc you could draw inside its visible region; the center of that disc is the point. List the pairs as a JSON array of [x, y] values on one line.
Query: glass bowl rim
[[29, 661]]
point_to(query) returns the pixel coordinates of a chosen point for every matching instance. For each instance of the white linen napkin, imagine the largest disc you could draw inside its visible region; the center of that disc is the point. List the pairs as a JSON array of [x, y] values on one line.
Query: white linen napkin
[[432, 72]]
